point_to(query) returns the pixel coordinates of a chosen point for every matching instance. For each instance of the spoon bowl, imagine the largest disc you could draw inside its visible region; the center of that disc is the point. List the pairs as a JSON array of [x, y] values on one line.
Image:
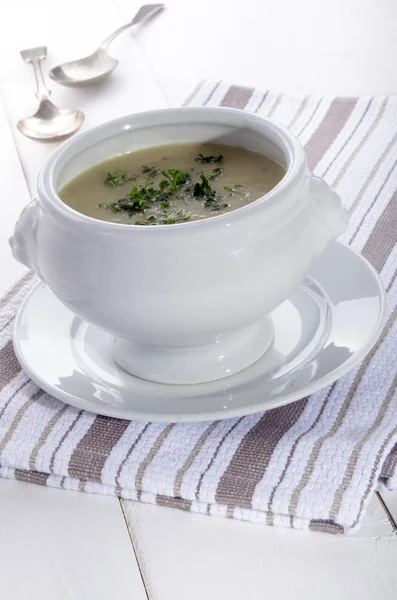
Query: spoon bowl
[[50, 122], [90, 69]]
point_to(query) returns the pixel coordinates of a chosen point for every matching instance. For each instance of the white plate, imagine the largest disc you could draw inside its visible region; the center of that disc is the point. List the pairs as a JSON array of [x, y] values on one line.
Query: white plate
[[321, 332]]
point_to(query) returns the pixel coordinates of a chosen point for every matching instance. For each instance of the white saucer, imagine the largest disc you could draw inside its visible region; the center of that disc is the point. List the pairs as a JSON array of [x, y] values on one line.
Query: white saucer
[[321, 332]]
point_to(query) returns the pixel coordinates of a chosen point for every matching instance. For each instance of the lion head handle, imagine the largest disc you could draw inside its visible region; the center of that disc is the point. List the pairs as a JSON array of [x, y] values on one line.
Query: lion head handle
[[24, 241]]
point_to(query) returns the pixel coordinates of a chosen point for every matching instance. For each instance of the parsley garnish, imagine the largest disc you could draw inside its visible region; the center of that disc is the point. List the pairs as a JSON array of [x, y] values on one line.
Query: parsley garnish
[[139, 200], [116, 179], [176, 177], [212, 204], [205, 190], [215, 173], [233, 190], [163, 184], [176, 185], [204, 160], [150, 171], [170, 218]]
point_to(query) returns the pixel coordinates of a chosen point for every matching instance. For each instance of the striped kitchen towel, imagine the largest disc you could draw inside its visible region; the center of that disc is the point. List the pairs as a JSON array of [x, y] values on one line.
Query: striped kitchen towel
[[312, 464]]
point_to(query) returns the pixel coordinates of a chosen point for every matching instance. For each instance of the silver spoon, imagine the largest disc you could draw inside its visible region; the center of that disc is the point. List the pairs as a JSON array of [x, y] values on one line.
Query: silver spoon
[[99, 64], [48, 122]]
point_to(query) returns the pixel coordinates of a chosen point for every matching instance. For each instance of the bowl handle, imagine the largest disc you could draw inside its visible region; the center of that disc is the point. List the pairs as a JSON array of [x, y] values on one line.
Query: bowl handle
[[24, 241], [332, 219]]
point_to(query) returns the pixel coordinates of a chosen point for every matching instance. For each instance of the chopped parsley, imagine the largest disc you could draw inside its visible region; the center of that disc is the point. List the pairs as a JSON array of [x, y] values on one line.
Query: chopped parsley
[[215, 173], [116, 179], [205, 160], [151, 172], [204, 188], [170, 218], [163, 184], [176, 177], [233, 190], [139, 199], [156, 196], [212, 204]]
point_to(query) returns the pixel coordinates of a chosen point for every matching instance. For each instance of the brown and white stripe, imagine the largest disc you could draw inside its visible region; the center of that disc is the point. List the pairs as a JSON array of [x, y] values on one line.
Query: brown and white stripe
[[313, 464]]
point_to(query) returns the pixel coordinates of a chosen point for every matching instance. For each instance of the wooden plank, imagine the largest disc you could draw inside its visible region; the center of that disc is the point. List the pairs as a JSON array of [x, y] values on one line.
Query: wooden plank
[[234, 560], [62, 545], [389, 500]]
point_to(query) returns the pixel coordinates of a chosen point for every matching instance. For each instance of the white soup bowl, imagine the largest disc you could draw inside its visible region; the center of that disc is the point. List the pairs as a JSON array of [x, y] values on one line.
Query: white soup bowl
[[189, 302]]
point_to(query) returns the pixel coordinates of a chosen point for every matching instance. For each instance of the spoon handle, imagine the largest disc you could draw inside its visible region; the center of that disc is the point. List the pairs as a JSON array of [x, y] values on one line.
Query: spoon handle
[[143, 13], [34, 56]]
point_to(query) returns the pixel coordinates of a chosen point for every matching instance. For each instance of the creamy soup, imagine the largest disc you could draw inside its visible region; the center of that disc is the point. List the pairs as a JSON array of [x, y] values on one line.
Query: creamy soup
[[172, 184]]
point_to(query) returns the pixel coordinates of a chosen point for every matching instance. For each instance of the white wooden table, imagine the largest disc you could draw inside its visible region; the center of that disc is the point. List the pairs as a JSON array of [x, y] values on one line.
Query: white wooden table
[[71, 546]]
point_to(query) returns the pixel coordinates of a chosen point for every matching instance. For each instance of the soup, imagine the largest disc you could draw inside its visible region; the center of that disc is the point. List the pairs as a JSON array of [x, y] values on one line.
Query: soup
[[172, 184]]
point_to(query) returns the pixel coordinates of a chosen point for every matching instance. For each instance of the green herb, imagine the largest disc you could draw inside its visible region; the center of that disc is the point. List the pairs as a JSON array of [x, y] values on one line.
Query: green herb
[[176, 177], [142, 193], [204, 188], [128, 205], [233, 190], [204, 160], [149, 221], [167, 219], [151, 172], [215, 173], [175, 185], [116, 179], [149, 194], [141, 198], [212, 204]]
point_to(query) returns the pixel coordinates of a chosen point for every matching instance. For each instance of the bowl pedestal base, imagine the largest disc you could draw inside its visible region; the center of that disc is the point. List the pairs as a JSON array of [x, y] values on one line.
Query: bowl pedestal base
[[222, 356]]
